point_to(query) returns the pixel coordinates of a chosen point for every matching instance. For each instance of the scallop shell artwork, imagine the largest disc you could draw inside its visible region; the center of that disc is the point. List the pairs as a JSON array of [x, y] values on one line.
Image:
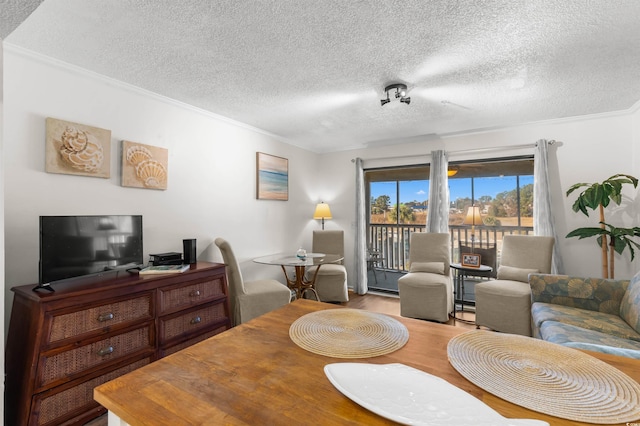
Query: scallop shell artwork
[[73, 148], [144, 166], [152, 173], [137, 154]]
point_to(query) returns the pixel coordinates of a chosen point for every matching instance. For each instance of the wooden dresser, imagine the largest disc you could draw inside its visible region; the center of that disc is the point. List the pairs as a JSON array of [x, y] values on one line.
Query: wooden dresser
[[63, 344]]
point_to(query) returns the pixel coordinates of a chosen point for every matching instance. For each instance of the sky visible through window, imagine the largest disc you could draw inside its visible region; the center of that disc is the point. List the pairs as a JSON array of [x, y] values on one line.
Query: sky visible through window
[[418, 190]]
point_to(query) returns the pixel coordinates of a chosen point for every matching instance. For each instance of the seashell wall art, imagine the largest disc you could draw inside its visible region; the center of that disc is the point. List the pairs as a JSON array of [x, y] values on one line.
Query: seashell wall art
[[144, 166], [77, 149]]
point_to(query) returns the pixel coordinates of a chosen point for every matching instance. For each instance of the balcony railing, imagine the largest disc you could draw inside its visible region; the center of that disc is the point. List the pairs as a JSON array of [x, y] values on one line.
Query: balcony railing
[[392, 241]]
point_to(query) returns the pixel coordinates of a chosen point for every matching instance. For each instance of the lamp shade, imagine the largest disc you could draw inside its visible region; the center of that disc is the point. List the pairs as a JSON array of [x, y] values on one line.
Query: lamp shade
[[322, 211], [473, 216]]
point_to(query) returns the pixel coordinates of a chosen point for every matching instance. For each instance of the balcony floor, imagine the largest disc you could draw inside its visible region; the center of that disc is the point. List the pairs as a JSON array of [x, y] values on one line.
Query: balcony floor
[[387, 282]]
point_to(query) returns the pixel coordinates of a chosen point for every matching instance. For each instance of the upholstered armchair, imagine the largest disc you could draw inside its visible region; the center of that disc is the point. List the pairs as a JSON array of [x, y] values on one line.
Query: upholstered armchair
[[504, 304], [250, 299], [331, 280], [426, 292]]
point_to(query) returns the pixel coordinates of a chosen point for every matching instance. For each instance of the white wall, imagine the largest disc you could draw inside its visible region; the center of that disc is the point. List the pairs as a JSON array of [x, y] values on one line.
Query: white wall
[[212, 171], [593, 148]]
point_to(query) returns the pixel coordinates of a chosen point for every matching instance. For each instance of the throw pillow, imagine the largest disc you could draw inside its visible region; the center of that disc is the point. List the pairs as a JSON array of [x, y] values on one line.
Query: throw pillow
[[432, 267], [515, 274]]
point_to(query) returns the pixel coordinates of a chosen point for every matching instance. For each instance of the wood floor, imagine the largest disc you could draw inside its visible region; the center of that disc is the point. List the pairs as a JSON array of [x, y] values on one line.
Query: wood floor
[[390, 305]]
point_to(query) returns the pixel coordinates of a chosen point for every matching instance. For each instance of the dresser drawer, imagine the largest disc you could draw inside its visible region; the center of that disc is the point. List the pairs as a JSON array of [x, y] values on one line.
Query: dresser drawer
[[190, 294], [68, 364], [185, 344], [185, 323], [100, 317], [53, 408]]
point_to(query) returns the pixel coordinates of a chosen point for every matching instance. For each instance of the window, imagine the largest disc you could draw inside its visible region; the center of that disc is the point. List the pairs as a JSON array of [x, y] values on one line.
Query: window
[[398, 196], [503, 189]]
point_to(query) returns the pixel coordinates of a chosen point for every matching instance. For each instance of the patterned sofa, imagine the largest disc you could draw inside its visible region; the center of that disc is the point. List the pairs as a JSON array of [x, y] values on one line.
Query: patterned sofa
[[595, 314]]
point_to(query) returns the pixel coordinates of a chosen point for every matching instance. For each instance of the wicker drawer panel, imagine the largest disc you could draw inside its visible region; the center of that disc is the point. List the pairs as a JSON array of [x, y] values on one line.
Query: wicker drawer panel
[[69, 363], [180, 346], [191, 321], [193, 294], [59, 405], [98, 317]]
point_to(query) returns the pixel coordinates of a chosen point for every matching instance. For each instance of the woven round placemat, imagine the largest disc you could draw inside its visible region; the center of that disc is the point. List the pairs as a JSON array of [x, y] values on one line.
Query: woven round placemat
[[348, 333], [545, 377]]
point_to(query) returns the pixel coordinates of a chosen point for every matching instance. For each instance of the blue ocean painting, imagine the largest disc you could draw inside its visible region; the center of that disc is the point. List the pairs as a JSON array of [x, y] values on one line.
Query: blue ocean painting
[[273, 177]]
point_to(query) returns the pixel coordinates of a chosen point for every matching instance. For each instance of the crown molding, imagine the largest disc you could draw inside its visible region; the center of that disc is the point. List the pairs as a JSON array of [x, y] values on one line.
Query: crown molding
[[8, 47]]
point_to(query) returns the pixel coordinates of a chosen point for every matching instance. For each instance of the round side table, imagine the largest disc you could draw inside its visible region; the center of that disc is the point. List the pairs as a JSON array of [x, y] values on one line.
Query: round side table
[[458, 282]]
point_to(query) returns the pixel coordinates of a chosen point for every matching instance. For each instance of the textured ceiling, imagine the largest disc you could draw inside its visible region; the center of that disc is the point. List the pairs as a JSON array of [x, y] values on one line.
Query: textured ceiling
[[313, 71]]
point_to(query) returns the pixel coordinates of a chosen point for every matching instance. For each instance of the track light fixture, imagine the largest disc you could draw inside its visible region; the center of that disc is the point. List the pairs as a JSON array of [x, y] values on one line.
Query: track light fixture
[[401, 93]]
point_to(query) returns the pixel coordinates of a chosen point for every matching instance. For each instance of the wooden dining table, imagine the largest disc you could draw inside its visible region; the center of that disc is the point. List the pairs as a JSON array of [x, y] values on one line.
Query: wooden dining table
[[254, 374]]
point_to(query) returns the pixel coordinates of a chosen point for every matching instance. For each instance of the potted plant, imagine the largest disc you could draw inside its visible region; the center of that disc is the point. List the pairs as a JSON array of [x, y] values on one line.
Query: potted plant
[[611, 239]]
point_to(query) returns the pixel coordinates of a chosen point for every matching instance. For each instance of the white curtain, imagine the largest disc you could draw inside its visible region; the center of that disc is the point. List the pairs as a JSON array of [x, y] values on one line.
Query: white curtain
[[438, 218], [361, 286], [542, 212]]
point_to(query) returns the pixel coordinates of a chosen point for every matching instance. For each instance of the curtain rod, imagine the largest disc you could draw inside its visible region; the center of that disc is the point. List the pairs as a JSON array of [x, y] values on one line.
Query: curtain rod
[[463, 151]]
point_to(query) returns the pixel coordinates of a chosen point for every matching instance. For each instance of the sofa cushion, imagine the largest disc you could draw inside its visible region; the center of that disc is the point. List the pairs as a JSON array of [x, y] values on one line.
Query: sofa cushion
[[601, 322], [595, 294], [512, 273], [612, 350], [574, 336], [630, 304], [432, 267]]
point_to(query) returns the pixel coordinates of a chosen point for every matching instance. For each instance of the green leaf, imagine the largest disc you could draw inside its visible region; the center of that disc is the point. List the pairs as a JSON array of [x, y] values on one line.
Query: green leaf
[[586, 232], [579, 206], [576, 186], [622, 178]]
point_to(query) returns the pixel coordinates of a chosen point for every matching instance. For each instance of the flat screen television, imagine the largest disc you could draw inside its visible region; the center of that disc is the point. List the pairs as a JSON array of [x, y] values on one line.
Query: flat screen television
[[77, 246]]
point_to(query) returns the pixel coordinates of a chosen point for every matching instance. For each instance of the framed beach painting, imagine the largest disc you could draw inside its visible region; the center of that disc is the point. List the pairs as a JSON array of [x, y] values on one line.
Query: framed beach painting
[[144, 166], [272, 177], [77, 149]]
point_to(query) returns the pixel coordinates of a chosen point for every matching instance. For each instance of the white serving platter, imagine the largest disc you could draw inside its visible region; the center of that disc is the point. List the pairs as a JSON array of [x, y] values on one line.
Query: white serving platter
[[412, 397]]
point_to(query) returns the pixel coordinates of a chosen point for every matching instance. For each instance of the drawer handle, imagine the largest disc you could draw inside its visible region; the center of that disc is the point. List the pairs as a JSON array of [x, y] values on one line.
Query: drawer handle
[[196, 320], [106, 351], [195, 293], [105, 317]]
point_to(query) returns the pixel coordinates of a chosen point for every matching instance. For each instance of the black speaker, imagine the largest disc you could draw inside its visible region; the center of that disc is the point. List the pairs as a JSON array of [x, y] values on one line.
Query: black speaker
[[189, 247]]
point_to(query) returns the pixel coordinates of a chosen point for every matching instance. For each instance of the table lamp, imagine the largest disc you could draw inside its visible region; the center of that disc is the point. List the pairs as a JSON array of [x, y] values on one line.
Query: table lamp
[[322, 212], [473, 217]]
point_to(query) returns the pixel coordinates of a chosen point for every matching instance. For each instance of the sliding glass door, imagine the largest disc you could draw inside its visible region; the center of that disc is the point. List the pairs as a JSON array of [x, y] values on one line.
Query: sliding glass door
[[502, 189]]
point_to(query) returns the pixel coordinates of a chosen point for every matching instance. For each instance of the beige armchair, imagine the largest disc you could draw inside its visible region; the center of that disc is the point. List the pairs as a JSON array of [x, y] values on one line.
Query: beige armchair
[[426, 292], [331, 281], [504, 304], [250, 299]]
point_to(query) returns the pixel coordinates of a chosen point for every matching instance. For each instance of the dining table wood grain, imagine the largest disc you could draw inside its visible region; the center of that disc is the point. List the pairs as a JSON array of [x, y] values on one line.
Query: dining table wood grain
[[254, 374]]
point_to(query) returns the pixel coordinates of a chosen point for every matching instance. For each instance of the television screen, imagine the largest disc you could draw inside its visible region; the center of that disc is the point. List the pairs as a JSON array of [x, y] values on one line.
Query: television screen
[[73, 246]]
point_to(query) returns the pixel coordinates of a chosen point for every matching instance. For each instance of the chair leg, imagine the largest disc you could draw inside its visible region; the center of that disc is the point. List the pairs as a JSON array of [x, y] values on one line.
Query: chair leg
[[312, 290]]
